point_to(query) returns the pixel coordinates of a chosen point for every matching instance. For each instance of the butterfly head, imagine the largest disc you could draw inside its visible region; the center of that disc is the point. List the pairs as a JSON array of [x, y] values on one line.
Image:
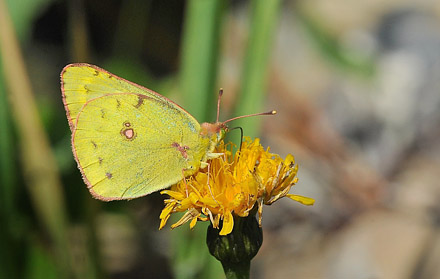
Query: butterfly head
[[215, 131]]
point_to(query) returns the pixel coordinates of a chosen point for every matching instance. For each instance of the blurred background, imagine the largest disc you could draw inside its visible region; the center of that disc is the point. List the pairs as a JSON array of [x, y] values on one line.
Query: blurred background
[[356, 86]]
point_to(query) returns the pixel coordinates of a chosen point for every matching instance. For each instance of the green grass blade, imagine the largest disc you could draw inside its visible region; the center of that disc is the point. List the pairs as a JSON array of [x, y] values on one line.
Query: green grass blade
[[197, 83], [7, 166], [199, 57], [39, 167], [264, 17]]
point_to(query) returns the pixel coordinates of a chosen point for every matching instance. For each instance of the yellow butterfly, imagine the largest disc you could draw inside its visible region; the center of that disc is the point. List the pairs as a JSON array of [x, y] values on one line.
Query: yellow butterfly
[[130, 141]]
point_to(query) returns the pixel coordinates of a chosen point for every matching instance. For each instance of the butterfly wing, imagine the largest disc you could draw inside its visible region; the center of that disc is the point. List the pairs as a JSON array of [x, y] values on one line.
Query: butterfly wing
[[82, 82], [129, 145]]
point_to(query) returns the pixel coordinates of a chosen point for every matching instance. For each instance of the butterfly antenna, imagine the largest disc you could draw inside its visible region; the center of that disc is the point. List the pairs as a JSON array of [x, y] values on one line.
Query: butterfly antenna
[[220, 93], [272, 112]]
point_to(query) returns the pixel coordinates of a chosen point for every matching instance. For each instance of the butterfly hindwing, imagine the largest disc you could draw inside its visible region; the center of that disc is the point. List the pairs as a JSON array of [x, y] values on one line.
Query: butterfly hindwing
[[128, 145]]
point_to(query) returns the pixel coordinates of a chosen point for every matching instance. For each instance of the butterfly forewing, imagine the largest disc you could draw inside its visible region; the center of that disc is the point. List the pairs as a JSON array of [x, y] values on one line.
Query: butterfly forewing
[[83, 82]]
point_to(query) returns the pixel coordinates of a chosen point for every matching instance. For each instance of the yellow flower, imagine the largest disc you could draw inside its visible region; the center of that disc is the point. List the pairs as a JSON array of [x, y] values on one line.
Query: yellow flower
[[232, 185]]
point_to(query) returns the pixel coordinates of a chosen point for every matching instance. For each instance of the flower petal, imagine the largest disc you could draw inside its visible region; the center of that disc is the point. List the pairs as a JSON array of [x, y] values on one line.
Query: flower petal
[[301, 199], [189, 215], [228, 223], [173, 194]]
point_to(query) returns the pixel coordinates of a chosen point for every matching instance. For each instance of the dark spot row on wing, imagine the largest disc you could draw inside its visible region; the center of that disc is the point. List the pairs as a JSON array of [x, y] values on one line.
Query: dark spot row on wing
[[140, 101]]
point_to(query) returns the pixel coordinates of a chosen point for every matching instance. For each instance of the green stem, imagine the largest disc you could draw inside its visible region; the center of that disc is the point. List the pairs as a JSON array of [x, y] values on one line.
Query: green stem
[[236, 250], [237, 271]]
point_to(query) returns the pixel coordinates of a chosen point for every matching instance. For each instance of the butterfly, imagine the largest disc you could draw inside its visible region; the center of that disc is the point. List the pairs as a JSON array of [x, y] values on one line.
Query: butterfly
[[130, 141]]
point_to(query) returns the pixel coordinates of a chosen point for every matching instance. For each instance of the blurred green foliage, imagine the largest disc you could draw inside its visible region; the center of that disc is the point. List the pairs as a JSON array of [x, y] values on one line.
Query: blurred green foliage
[[328, 45], [23, 14], [168, 46]]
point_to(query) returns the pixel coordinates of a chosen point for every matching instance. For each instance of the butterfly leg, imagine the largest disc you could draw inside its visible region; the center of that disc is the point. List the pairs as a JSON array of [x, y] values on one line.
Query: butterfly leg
[[209, 187], [213, 155], [186, 184], [210, 156]]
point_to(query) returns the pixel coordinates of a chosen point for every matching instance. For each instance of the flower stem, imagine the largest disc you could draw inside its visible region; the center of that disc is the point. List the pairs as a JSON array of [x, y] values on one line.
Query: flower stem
[[237, 271], [236, 250]]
